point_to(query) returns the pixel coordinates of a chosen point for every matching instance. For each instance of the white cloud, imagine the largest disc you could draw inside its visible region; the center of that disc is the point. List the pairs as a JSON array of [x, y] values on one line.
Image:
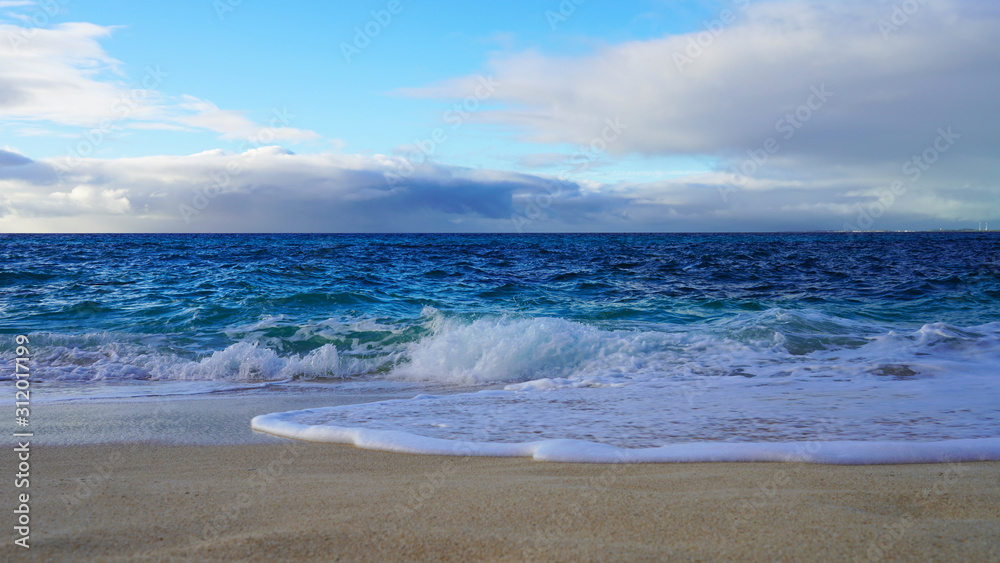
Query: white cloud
[[235, 125], [63, 76], [59, 75], [89, 199], [792, 97], [728, 94]]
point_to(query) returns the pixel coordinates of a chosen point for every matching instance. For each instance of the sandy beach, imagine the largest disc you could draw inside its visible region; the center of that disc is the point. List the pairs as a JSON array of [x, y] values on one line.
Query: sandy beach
[[307, 501]]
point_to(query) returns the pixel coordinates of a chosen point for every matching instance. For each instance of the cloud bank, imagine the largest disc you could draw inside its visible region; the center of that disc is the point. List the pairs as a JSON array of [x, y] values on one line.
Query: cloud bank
[[270, 189], [849, 115], [262, 189]]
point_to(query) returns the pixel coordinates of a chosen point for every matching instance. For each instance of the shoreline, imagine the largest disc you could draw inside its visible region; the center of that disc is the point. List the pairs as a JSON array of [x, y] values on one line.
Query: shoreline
[[322, 501], [206, 419], [187, 478]]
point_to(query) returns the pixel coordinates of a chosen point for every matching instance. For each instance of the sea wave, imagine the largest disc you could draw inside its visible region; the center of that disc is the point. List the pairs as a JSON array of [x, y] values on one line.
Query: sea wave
[[463, 350], [576, 392]]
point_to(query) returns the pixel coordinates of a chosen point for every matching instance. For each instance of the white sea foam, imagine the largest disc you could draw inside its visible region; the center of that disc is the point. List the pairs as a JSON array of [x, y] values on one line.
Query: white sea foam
[[774, 377], [734, 393], [497, 350], [534, 352], [580, 451], [101, 358], [549, 352]]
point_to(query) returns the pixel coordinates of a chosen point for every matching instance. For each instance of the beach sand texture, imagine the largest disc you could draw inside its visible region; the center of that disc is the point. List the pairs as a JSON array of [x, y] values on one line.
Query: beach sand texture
[[325, 502]]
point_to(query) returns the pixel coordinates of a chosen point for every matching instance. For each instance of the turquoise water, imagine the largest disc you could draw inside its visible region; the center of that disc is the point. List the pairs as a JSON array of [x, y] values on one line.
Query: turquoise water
[[642, 340]]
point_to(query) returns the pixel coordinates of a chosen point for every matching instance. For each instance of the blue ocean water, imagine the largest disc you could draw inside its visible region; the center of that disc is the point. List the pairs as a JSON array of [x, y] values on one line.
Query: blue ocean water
[[631, 341]]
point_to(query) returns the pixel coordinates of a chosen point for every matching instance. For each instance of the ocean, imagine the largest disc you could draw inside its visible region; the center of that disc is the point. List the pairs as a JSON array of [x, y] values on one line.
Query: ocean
[[825, 347]]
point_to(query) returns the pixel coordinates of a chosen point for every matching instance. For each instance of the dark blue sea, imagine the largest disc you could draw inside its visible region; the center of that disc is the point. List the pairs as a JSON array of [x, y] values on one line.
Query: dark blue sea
[[623, 341]]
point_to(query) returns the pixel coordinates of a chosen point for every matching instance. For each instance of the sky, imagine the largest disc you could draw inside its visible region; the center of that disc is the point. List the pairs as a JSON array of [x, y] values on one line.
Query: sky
[[520, 116]]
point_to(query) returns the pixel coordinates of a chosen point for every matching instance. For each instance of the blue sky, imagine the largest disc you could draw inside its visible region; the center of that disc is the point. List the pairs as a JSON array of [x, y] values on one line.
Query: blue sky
[[641, 115], [256, 57]]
